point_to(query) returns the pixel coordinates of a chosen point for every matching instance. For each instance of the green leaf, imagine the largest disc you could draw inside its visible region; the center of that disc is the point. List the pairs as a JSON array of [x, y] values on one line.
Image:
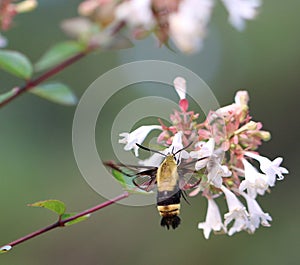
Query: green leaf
[[53, 205], [5, 249], [55, 92], [15, 63], [75, 221], [58, 54], [119, 177], [126, 181]]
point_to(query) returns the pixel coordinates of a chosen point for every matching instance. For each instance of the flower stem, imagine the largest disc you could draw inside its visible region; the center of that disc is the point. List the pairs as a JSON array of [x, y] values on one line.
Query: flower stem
[[32, 83], [61, 223]]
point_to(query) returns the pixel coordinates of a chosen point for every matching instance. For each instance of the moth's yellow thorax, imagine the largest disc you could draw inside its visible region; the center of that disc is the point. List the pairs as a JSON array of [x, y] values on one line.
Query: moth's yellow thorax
[[167, 175]]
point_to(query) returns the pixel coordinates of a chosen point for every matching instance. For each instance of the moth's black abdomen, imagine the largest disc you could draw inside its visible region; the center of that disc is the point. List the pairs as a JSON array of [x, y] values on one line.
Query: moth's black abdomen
[[168, 205], [168, 197], [170, 221]]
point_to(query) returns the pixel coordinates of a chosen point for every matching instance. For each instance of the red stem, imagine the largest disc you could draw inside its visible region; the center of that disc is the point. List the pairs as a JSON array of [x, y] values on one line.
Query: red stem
[[61, 223], [31, 84], [95, 208]]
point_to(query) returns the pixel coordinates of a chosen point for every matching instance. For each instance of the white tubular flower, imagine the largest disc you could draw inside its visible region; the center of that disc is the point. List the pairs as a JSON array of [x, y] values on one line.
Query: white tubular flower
[[270, 168], [206, 150], [188, 25], [137, 136], [177, 145], [257, 216], [240, 10], [237, 213], [213, 163], [216, 171], [156, 159], [213, 219], [153, 161], [241, 100], [136, 13], [255, 182]]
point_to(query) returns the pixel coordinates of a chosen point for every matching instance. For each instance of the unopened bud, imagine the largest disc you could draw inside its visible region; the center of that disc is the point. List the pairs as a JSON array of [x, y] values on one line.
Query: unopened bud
[[184, 105], [251, 125], [264, 135], [26, 6], [242, 98], [87, 8]]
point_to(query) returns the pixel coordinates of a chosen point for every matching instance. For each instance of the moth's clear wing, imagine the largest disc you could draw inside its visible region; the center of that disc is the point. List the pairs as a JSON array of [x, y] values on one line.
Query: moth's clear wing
[[143, 177], [145, 182], [189, 178]]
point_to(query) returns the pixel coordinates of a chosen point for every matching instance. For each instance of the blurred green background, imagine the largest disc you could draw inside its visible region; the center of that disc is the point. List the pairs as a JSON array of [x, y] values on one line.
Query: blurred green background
[[37, 160]]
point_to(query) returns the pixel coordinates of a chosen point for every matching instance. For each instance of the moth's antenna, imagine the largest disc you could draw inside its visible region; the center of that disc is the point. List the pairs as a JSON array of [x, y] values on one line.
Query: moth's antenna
[[150, 150], [185, 147]]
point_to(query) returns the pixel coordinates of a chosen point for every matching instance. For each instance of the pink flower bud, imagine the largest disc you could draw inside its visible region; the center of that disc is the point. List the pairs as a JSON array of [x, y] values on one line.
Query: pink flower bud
[[184, 104]]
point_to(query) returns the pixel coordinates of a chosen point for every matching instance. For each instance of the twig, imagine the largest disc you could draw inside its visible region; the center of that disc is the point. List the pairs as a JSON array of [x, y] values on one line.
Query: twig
[[61, 223], [32, 83]]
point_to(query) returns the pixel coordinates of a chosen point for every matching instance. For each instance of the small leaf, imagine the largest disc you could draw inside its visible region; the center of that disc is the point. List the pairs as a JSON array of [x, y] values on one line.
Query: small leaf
[[5, 249], [58, 54], [15, 63], [55, 92], [122, 175], [53, 205], [127, 183], [119, 177], [77, 220]]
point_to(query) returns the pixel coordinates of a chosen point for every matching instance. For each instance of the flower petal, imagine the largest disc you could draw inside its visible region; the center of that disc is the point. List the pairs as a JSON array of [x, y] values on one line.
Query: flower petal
[[257, 216], [136, 13], [188, 25], [180, 87], [240, 10], [153, 161], [136, 136], [213, 219]]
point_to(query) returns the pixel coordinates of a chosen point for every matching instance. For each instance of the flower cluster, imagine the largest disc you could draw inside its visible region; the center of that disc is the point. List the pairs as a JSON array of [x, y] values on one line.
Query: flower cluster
[[223, 149], [184, 21]]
